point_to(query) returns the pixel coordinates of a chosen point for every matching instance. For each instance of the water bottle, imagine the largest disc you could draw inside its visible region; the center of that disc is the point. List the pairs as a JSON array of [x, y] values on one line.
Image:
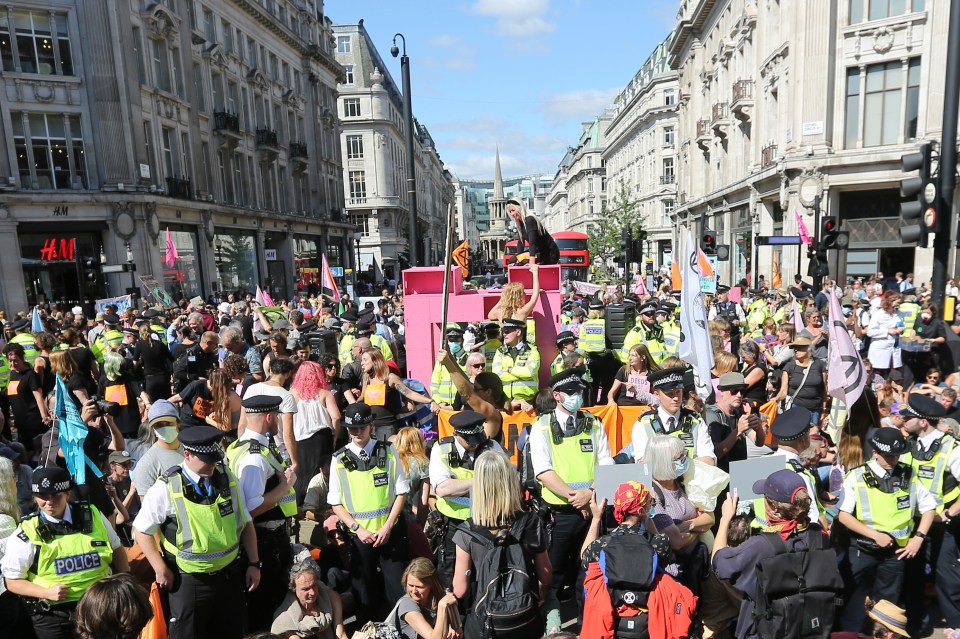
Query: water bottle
[[14, 434]]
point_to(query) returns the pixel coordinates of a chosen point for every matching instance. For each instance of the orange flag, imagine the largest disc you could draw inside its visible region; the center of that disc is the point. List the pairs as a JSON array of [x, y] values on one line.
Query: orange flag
[[675, 280], [777, 282], [461, 255]]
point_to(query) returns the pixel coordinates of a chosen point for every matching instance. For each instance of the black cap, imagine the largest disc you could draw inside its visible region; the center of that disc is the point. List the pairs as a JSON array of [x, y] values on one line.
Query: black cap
[[565, 337], [569, 380], [51, 480], [650, 308], [20, 324], [923, 407], [511, 324], [491, 328], [469, 425], [149, 314], [349, 316], [364, 328], [203, 442], [261, 404], [791, 424], [756, 292], [132, 331], [596, 304], [908, 291], [888, 441], [357, 415], [799, 293], [666, 379], [454, 332], [368, 304], [722, 288], [111, 319]]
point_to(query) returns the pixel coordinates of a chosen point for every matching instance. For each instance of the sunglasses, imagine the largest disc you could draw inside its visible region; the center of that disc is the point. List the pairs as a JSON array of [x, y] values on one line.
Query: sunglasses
[[477, 365]]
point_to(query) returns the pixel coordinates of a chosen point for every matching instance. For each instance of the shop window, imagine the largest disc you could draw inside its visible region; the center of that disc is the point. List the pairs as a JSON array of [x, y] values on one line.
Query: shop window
[[236, 259], [182, 280]]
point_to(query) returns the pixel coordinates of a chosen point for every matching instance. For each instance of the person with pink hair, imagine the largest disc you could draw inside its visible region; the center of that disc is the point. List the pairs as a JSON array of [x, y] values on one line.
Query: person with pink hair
[[315, 425]]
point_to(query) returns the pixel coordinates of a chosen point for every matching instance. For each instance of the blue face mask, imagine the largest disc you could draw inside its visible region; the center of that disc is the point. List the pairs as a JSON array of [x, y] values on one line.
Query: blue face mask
[[454, 347], [680, 466], [573, 402]]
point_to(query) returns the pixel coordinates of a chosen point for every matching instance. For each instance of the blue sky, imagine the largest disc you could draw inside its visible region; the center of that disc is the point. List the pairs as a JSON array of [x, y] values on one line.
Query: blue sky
[[521, 73]]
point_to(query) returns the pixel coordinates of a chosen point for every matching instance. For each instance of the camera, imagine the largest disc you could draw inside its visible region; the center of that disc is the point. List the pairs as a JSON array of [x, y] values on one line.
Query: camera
[[106, 408]]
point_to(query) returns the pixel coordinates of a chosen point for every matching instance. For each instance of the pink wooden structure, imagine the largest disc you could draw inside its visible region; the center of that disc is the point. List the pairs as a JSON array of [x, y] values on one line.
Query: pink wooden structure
[[422, 297]]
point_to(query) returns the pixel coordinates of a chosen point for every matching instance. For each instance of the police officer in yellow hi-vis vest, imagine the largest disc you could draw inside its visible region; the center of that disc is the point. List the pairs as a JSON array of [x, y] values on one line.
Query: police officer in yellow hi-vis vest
[[347, 321], [646, 331], [368, 489], [266, 486], [517, 363], [365, 329], [110, 335], [671, 418], [157, 330], [199, 512], [878, 505], [934, 457], [491, 331], [451, 476], [25, 339], [56, 554], [565, 447], [441, 382]]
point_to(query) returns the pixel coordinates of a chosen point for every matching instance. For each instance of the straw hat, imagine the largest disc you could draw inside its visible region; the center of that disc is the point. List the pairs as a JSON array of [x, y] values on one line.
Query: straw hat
[[802, 340], [888, 614]]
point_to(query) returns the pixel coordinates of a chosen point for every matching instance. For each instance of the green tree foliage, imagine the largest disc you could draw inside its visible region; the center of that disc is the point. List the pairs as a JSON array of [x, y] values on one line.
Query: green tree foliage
[[606, 240]]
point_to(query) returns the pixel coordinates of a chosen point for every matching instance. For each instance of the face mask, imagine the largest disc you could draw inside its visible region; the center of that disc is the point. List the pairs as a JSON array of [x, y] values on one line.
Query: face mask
[[568, 314], [680, 466], [925, 316], [166, 433], [573, 402], [454, 347]]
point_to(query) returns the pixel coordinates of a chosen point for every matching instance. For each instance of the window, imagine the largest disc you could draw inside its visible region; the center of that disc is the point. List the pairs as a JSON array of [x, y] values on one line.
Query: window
[[177, 80], [185, 156], [878, 93], [668, 208], [204, 154], [861, 10], [358, 185], [354, 147], [161, 65], [669, 97], [216, 87], [209, 29], [669, 135], [351, 108], [165, 135], [238, 194], [41, 42], [239, 40], [344, 44], [348, 72], [55, 142], [198, 93], [668, 174], [361, 223], [137, 44], [251, 52], [224, 185], [148, 143], [227, 36]]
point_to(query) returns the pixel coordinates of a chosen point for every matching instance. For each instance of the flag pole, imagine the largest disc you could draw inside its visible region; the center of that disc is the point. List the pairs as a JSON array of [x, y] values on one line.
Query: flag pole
[[448, 260]]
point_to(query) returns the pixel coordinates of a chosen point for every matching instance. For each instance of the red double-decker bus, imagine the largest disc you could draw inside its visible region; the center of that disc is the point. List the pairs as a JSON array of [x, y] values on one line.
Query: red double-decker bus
[[574, 254]]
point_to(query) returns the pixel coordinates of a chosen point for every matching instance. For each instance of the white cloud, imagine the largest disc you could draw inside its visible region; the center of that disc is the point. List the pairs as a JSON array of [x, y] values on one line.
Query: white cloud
[[581, 104], [479, 166], [444, 40], [456, 56], [516, 17], [478, 124]]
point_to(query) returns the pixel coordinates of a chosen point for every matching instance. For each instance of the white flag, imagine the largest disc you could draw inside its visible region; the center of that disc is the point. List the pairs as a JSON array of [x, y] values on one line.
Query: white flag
[[695, 346], [847, 375]]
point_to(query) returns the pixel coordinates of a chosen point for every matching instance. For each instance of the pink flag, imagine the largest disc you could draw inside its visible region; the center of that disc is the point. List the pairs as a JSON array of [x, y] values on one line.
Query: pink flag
[[171, 256], [797, 317], [259, 299], [846, 373], [327, 281], [802, 230], [267, 298]]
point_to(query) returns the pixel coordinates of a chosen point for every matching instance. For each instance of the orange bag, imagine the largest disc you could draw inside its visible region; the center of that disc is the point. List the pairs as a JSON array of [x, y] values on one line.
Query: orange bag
[[770, 410], [156, 628], [375, 394], [12, 388]]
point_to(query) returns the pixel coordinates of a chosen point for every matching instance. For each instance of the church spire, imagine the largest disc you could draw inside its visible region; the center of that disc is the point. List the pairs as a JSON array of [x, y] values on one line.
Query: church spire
[[497, 178]]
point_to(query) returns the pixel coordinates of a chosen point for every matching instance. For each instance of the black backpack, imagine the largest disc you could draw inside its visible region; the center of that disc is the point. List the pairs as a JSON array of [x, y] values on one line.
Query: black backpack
[[798, 593], [629, 565], [507, 604]]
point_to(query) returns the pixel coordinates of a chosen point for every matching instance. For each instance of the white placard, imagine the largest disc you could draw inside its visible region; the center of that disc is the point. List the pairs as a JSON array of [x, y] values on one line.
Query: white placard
[[606, 479], [145, 171], [744, 473], [813, 128]]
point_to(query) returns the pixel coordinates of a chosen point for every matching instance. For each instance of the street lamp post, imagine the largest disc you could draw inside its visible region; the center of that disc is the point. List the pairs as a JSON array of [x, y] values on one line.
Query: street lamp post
[[356, 266], [413, 237], [132, 269], [219, 246]]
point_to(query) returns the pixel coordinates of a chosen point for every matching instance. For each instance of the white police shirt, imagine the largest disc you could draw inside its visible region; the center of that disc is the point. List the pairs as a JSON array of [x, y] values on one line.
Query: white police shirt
[[440, 471], [641, 435], [253, 472], [540, 450], [334, 494]]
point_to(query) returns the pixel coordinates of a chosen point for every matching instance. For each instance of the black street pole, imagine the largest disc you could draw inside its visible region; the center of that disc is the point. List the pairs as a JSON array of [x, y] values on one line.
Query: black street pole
[[817, 278], [948, 159], [414, 237]]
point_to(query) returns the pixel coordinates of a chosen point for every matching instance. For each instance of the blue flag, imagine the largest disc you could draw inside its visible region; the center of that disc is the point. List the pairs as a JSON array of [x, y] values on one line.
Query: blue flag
[[73, 432], [37, 325]]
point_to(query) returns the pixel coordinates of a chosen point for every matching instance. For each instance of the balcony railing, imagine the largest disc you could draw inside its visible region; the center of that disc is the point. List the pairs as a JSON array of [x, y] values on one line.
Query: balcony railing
[[682, 198], [742, 90], [267, 137], [703, 127], [768, 156], [180, 187], [669, 178], [298, 150], [719, 111], [226, 121]]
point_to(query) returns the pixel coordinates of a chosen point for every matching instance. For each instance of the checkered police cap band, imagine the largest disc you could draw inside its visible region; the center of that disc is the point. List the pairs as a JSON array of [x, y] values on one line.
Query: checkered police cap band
[[203, 449], [567, 381], [884, 447], [673, 378], [47, 486], [475, 429]]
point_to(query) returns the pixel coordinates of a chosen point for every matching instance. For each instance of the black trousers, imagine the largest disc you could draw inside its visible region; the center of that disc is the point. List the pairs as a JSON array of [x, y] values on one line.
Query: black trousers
[[446, 555], [376, 573], [274, 550], [203, 606], [877, 575], [568, 532], [916, 575], [55, 623], [948, 576], [313, 453], [14, 618]]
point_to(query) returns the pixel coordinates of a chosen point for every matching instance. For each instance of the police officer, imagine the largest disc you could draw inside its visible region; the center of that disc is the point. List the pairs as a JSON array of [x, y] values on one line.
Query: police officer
[[517, 363], [111, 335], [491, 331], [198, 509], [730, 311], [934, 457], [266, 485], [595, 344], [57, 553], [441, 383], [566, 343], [365, 329], [672, 418], [879, 502], [565, 447], [347, 320], [368, 489], [645, 331], [24, 338], [757, 311], [451, 476], [670, 324]]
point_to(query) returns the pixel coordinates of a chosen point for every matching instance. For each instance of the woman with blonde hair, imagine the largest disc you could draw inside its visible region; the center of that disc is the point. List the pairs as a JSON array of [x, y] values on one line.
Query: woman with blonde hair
[[412, 452], [13, 614], [425, 611], [495, 512], [382, 391], [511, 304]]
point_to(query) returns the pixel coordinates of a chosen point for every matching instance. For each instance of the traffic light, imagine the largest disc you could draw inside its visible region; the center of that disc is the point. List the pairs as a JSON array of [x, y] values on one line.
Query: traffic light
[[626, 245], [918, 212], [829, 231], [818, 265], [90, 270], [708, 242]]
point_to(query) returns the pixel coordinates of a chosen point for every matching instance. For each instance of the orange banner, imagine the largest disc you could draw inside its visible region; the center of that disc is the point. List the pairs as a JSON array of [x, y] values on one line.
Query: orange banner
[[675, 280], [617, 422]]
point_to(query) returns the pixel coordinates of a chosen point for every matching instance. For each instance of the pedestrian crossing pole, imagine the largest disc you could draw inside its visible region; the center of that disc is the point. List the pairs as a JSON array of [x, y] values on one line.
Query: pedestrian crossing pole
[[948, 161]]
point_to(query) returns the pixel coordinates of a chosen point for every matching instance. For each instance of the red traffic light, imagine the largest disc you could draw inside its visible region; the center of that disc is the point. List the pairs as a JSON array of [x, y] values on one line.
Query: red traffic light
[[709, 239], [829, 225]]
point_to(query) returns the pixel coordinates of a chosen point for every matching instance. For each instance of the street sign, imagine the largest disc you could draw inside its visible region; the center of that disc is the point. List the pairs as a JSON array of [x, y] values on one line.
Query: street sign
[[115, 268], [336, 271], [779, 240]]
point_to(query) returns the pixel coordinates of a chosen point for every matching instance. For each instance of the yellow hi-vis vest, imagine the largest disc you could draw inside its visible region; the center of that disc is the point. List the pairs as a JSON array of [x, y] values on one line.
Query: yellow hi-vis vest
[[4, 373], [490, 348], [204, 533], [457, 507], [442, 388], [930, 469], [757, 313], [368, 493], [104, 340], [287, 505], [346, 346], [909, 311], [519, 371], [574, 457], [760, 505], [887, 512], [593, 336], [380, 342], [671, 339], [75, 555], [683, 429], [160, 332], [30, 351]]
